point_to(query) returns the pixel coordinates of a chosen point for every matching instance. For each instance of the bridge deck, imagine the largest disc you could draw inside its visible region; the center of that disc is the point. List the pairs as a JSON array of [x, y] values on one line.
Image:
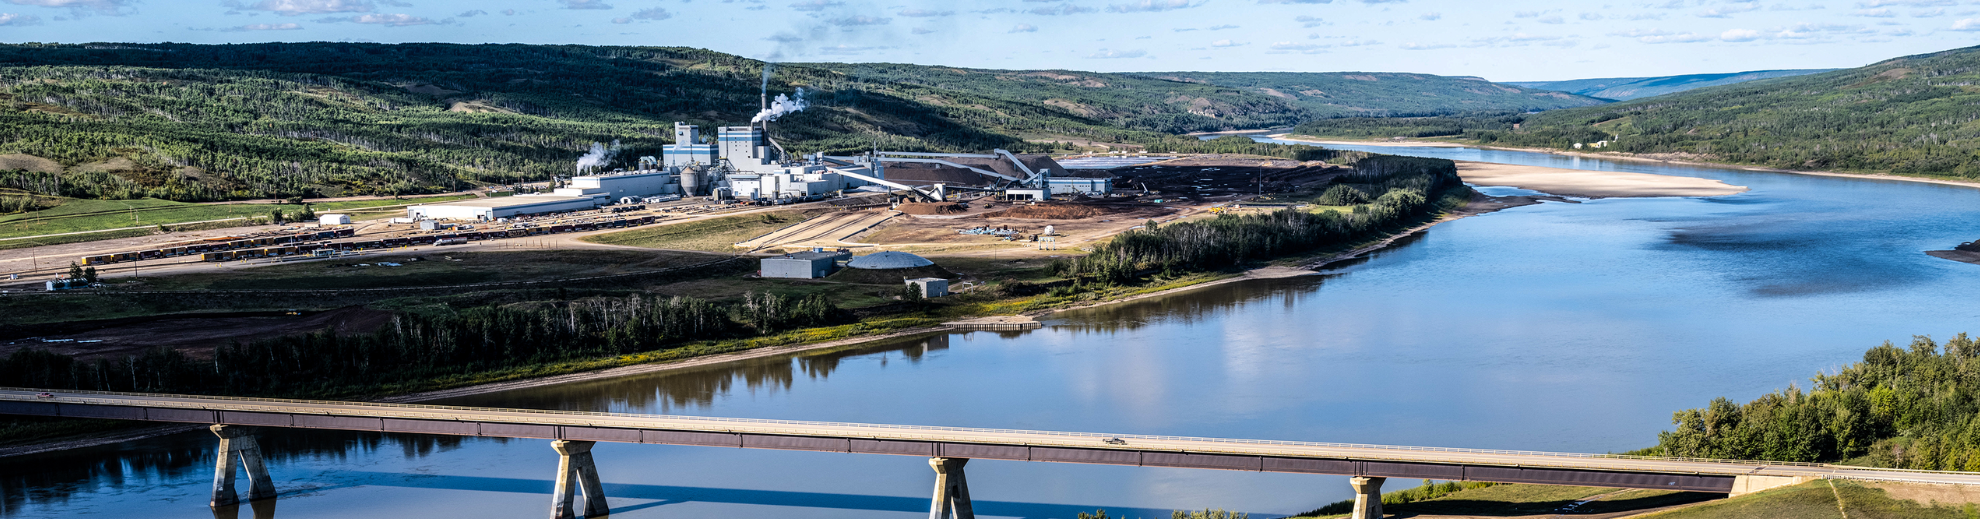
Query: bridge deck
[[1043, 446]]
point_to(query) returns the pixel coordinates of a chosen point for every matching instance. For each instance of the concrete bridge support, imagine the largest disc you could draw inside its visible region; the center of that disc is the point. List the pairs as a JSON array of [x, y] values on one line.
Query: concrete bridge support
[[238, 450], [577, 471], [951, 490], [1367, 497]]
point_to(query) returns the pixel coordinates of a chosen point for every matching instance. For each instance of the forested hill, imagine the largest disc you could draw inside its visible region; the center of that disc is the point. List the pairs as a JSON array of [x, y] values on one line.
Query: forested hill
[[1386, 94], [207, 122], [1626, 88], [1229, 100], [1915, 115]]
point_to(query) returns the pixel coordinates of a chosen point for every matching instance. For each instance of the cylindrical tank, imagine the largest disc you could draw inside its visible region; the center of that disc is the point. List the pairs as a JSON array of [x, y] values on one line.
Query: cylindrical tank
[[691, 180]]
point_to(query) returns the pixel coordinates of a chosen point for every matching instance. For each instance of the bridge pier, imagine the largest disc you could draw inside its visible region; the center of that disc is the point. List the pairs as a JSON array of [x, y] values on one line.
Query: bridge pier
[[237, 446], [951, 490], [1367, 497], [576, 471]]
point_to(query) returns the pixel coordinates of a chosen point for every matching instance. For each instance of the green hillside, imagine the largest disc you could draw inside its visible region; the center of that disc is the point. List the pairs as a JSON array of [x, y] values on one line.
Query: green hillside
[[209, 122], [1915, 115], [1386, 94]]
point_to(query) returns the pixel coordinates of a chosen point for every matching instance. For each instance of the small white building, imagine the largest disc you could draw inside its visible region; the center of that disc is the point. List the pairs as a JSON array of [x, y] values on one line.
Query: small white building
[[930, 288], [334, 219]]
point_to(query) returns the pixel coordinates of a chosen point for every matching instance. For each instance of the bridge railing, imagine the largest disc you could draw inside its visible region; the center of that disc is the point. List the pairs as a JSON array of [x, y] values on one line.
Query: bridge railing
[[798, 427]]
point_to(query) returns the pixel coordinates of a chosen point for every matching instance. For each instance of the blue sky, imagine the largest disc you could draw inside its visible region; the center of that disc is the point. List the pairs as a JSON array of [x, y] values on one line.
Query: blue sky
[[1499, 40]]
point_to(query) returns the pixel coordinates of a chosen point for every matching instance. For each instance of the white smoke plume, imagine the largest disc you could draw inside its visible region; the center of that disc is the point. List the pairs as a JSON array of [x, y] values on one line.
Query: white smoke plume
[[599, 156], [782, 106]]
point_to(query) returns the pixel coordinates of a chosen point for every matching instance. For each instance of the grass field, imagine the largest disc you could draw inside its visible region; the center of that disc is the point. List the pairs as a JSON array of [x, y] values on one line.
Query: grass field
[[713, 235], [1809, 500], [1817, 499], [435, 268], [76, 215]]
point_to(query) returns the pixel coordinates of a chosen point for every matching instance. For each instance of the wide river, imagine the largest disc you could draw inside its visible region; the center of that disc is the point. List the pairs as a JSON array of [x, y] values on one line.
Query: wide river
[[1562, 327]]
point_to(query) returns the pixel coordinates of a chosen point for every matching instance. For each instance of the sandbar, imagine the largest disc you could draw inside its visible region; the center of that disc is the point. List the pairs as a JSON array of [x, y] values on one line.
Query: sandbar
[[1591, 184]]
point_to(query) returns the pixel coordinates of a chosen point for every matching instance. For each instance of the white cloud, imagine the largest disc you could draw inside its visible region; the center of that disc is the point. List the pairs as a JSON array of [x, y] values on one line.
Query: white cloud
[[11, 19], [1301, 47], [585, 4], [388, 20], [267, 27], [1590, 16], [1737, 35], [650, 14], [923, 13], [923, 30], [1117, 54], [1728, 10], [1221, 27], [1023, 27], [1430, 17], [113, 7], [1876, 13], [1060, 10], [1552, 19], [1151, 6], [861, 20], [1309, 21], [471, 14], [1967, 24], [1227, 43], [1906, 3], [302, 7], [814, 5]]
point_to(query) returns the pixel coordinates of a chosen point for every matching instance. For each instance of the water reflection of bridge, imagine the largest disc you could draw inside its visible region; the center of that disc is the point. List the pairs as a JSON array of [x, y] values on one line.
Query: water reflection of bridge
[[948, 449]]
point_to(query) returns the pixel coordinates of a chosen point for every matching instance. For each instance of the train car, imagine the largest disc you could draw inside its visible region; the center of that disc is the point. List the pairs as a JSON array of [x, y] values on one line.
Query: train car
[[346, 233], [560, 228], [216, 256], [97, 260], [422, 240], [518, 233]]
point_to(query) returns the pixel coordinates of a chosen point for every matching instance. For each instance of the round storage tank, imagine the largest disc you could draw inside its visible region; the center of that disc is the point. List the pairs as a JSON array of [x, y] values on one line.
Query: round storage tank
[[888, 260]]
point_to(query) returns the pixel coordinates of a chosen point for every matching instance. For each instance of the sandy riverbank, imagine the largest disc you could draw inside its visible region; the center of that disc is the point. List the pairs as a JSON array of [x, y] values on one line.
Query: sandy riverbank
[[1628, 158], [1590, 184]]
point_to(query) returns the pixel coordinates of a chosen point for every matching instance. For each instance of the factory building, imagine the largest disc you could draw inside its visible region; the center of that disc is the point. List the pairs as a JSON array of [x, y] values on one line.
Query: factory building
[[688, 149], [618, 185], [812, 264], [501, 207]]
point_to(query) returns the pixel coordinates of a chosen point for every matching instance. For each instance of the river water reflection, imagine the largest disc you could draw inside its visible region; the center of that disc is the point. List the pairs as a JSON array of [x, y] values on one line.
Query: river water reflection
[[1569, 327]]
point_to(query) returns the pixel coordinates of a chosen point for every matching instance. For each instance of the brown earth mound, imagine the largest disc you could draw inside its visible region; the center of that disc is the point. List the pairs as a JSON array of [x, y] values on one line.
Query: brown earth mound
[[1048, 212], [931, 208]]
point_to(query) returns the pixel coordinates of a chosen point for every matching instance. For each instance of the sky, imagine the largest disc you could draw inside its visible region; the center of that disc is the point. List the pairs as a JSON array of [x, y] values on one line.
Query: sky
[[1504, 40]]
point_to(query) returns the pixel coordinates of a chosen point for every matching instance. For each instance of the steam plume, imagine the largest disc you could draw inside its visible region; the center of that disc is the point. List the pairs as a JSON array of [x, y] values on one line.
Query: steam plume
[[782, 106], [599, 155]]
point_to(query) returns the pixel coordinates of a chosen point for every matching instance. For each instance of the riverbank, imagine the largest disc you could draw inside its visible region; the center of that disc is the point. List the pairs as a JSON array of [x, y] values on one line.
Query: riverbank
[[1306, 139], [1591, 184]]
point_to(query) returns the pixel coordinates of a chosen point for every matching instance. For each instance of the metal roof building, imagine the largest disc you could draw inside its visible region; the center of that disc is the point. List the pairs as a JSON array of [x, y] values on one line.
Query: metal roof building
[[888, 260]]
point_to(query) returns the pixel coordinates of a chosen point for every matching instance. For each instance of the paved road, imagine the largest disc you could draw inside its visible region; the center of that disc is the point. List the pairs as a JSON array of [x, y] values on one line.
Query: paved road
[[780, 434]]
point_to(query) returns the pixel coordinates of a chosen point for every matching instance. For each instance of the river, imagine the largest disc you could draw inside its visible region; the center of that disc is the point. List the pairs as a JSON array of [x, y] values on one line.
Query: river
[[1560, 326]]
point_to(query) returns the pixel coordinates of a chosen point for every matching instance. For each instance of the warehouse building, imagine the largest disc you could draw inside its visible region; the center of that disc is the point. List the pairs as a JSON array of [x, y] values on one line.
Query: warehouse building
[[812, 264], [501, 207]]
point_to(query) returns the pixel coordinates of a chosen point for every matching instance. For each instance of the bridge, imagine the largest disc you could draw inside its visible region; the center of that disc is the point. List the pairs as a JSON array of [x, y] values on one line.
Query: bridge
[[573, 433]]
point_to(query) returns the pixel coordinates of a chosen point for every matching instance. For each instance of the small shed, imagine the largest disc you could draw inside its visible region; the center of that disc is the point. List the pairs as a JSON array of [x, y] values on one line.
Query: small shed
[[931, 287], [334, 219], [810, 264]]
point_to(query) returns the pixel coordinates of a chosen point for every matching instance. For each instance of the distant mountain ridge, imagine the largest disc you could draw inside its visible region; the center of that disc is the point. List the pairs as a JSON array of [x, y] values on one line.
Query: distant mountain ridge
[[1386, 94], [1627, 88]]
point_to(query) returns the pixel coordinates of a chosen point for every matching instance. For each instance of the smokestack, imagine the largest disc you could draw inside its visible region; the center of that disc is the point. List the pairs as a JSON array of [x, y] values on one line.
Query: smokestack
[[766, 86]]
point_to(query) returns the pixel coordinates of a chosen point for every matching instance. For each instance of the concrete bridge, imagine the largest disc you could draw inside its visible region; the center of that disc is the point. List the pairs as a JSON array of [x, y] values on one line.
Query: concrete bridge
[[948, 449]]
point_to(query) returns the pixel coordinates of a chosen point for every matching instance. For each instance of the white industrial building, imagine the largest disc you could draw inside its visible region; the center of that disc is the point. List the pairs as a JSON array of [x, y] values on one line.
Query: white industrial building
[[619, 185], [501, 207]]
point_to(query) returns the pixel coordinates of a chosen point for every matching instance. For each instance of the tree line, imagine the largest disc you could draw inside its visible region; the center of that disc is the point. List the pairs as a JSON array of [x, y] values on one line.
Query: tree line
[[1913, 407], [419, 346], [1400, 189]]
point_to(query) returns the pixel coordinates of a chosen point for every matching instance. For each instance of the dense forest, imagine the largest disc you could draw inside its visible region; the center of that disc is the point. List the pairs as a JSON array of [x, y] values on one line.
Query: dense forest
[[1399, 190], [1915, 407], [1915, 115], [420, 346], [209, 122]]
